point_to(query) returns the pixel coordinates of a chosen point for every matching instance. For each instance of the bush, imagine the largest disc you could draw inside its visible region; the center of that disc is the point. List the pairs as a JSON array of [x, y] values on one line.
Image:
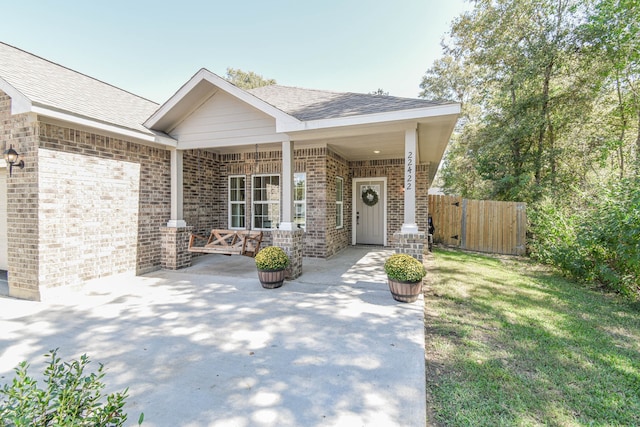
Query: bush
[[598, 243], [404, 268], [70, 398], [272, 258]]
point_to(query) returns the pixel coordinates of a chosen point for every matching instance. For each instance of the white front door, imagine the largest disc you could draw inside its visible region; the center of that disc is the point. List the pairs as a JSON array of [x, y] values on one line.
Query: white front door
[[370, 211], [4, 250]]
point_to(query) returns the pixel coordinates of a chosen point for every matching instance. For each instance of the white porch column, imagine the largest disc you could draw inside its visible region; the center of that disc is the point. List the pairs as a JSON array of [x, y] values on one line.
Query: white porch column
[[176, 220], [409, 225], [286, 222]]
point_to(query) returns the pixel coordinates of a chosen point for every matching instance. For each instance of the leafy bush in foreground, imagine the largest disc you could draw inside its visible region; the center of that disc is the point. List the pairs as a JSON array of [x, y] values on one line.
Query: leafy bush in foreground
[[71, 398]]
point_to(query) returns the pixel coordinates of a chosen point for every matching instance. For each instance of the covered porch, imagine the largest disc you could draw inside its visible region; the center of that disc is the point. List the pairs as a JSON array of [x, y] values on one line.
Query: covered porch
[[241, 156]]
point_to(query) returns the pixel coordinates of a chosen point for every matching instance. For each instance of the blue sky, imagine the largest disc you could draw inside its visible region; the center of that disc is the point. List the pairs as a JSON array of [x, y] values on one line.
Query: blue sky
[[151, 48]]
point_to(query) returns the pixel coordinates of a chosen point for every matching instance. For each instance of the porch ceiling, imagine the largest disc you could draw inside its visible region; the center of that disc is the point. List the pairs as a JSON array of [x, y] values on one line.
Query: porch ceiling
[[373, 142]]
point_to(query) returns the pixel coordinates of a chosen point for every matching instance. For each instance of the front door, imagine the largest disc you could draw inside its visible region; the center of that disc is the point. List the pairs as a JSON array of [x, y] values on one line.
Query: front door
[[370, 218]]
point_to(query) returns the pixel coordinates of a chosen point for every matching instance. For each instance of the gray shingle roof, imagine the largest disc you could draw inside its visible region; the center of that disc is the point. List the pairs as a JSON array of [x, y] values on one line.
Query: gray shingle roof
[[59, 88], [309, 104], [51, 85]]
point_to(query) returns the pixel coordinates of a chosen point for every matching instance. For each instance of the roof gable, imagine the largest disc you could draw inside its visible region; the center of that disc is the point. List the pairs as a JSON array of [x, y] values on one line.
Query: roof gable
[[198, 90], [224, 120]]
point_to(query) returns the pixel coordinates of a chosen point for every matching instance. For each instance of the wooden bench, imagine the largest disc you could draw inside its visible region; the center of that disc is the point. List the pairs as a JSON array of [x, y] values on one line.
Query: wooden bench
[[227, 242]]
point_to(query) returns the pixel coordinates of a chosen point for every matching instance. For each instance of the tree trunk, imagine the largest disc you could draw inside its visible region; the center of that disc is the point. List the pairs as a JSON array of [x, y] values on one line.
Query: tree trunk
[[623, 126]]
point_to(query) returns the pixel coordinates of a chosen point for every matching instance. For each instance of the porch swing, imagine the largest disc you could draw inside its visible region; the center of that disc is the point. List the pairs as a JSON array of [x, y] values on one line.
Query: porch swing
[[227, 242]]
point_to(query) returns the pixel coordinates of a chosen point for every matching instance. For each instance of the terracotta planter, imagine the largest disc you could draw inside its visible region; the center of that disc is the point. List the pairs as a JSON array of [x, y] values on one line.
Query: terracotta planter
[[271, 279], [403, 291]]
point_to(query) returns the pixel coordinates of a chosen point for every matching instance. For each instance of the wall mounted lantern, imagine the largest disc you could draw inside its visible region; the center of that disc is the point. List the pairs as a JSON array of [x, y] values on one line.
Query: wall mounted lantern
[[11, 157]]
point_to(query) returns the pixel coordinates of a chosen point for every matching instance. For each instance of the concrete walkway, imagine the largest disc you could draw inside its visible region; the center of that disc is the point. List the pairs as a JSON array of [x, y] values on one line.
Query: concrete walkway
[[208, 346]]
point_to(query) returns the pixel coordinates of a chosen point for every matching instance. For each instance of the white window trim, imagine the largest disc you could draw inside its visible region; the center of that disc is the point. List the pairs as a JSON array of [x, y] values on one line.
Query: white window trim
[[230, 203], [301, 202], [253, 202], [340, 203]]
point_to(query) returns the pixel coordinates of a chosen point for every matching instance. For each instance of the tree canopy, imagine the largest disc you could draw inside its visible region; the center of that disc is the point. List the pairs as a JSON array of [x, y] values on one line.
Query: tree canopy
[[550, 97], [550, 94], [247, 79]]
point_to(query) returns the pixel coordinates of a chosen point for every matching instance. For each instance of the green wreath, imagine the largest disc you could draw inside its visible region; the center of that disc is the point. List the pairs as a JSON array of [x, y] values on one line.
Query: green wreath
[[370, 197]]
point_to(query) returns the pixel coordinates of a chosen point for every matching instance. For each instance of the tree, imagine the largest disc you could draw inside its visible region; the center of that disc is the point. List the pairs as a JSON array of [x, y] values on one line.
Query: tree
[[613, 37], [516, 62], [551, 116], [247, 80], [379, 92]]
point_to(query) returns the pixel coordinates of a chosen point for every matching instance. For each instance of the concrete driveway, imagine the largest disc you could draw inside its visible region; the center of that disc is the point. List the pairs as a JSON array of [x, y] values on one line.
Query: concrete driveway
[[208, 346]]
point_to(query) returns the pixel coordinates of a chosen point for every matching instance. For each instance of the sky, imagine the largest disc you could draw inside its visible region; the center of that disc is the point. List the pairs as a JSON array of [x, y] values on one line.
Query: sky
[[152, 48]]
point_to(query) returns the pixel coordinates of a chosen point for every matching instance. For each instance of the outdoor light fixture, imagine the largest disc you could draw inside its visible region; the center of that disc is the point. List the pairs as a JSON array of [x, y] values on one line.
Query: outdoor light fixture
[[11, 157]]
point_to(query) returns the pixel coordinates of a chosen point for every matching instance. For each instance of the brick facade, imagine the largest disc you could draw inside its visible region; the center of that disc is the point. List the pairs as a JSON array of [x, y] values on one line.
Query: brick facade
[[85, 205], [88, 205], [106, 167], [410, 244], [22, 202], [337, 238], [175, 242], [206, 192], [292, 243]]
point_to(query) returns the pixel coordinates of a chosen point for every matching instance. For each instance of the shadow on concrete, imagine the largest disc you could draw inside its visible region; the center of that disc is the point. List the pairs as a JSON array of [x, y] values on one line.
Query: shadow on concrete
[[205, 347]]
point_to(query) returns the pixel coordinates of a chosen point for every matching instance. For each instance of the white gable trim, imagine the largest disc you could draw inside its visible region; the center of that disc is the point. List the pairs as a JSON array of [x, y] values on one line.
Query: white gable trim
[[155, 138], [19, 102], [368, 119], [222, 84]]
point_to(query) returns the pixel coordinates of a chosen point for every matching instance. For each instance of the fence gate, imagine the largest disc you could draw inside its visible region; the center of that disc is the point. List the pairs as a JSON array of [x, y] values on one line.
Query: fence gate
[[479, 225]]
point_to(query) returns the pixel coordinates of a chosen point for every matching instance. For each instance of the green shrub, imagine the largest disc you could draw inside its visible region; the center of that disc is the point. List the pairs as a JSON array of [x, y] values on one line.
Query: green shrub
[[272, 258], [597, 242], [404, 268], [71, 398]]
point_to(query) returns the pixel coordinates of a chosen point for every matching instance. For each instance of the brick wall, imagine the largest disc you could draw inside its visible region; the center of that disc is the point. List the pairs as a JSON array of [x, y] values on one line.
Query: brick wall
[[337, 239], [106, 200], [313, 162], [247, 164], [206, 178], [22, 201], [204, 192]]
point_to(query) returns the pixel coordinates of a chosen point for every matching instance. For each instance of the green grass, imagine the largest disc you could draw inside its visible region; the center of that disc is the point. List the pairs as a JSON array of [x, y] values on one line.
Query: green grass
[[510, 343]]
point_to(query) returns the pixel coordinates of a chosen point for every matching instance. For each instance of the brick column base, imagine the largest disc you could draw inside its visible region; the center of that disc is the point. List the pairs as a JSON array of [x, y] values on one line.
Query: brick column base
[[410, 244], [291, 242], [175, 242]]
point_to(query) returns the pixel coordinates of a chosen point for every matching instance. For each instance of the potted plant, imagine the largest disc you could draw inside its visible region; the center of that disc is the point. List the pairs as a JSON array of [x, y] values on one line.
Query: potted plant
[[404, 275], [271, 262]]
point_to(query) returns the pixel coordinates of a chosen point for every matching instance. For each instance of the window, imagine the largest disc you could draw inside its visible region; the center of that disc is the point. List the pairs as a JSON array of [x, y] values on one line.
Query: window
[[300, 200], [339, 200], [266, 201], [237, 202]]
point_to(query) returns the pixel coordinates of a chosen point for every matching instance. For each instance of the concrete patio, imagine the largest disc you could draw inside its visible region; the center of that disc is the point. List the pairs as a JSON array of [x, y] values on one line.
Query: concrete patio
[[207, 346]]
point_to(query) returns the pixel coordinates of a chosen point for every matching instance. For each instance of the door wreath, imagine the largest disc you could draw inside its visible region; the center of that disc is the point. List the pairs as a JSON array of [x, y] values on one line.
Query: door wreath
[[370, 197]]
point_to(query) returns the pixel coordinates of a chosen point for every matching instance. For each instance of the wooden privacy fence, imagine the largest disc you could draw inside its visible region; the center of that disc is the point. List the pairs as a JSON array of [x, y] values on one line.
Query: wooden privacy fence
[[479, 225]]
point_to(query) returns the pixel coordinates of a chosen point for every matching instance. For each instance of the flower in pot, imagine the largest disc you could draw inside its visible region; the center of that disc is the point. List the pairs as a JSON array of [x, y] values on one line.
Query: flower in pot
[[271, 262], [404, 275]]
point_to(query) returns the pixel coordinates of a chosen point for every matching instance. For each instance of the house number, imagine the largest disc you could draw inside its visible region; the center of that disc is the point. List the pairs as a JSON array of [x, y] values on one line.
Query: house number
[[409, 180]]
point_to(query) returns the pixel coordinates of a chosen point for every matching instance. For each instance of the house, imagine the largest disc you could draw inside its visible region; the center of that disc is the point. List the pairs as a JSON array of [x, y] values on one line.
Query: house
[[115, 183]]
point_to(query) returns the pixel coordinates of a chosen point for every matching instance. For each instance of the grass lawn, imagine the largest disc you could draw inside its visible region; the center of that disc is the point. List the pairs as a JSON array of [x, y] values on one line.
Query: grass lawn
[[510, 343]]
